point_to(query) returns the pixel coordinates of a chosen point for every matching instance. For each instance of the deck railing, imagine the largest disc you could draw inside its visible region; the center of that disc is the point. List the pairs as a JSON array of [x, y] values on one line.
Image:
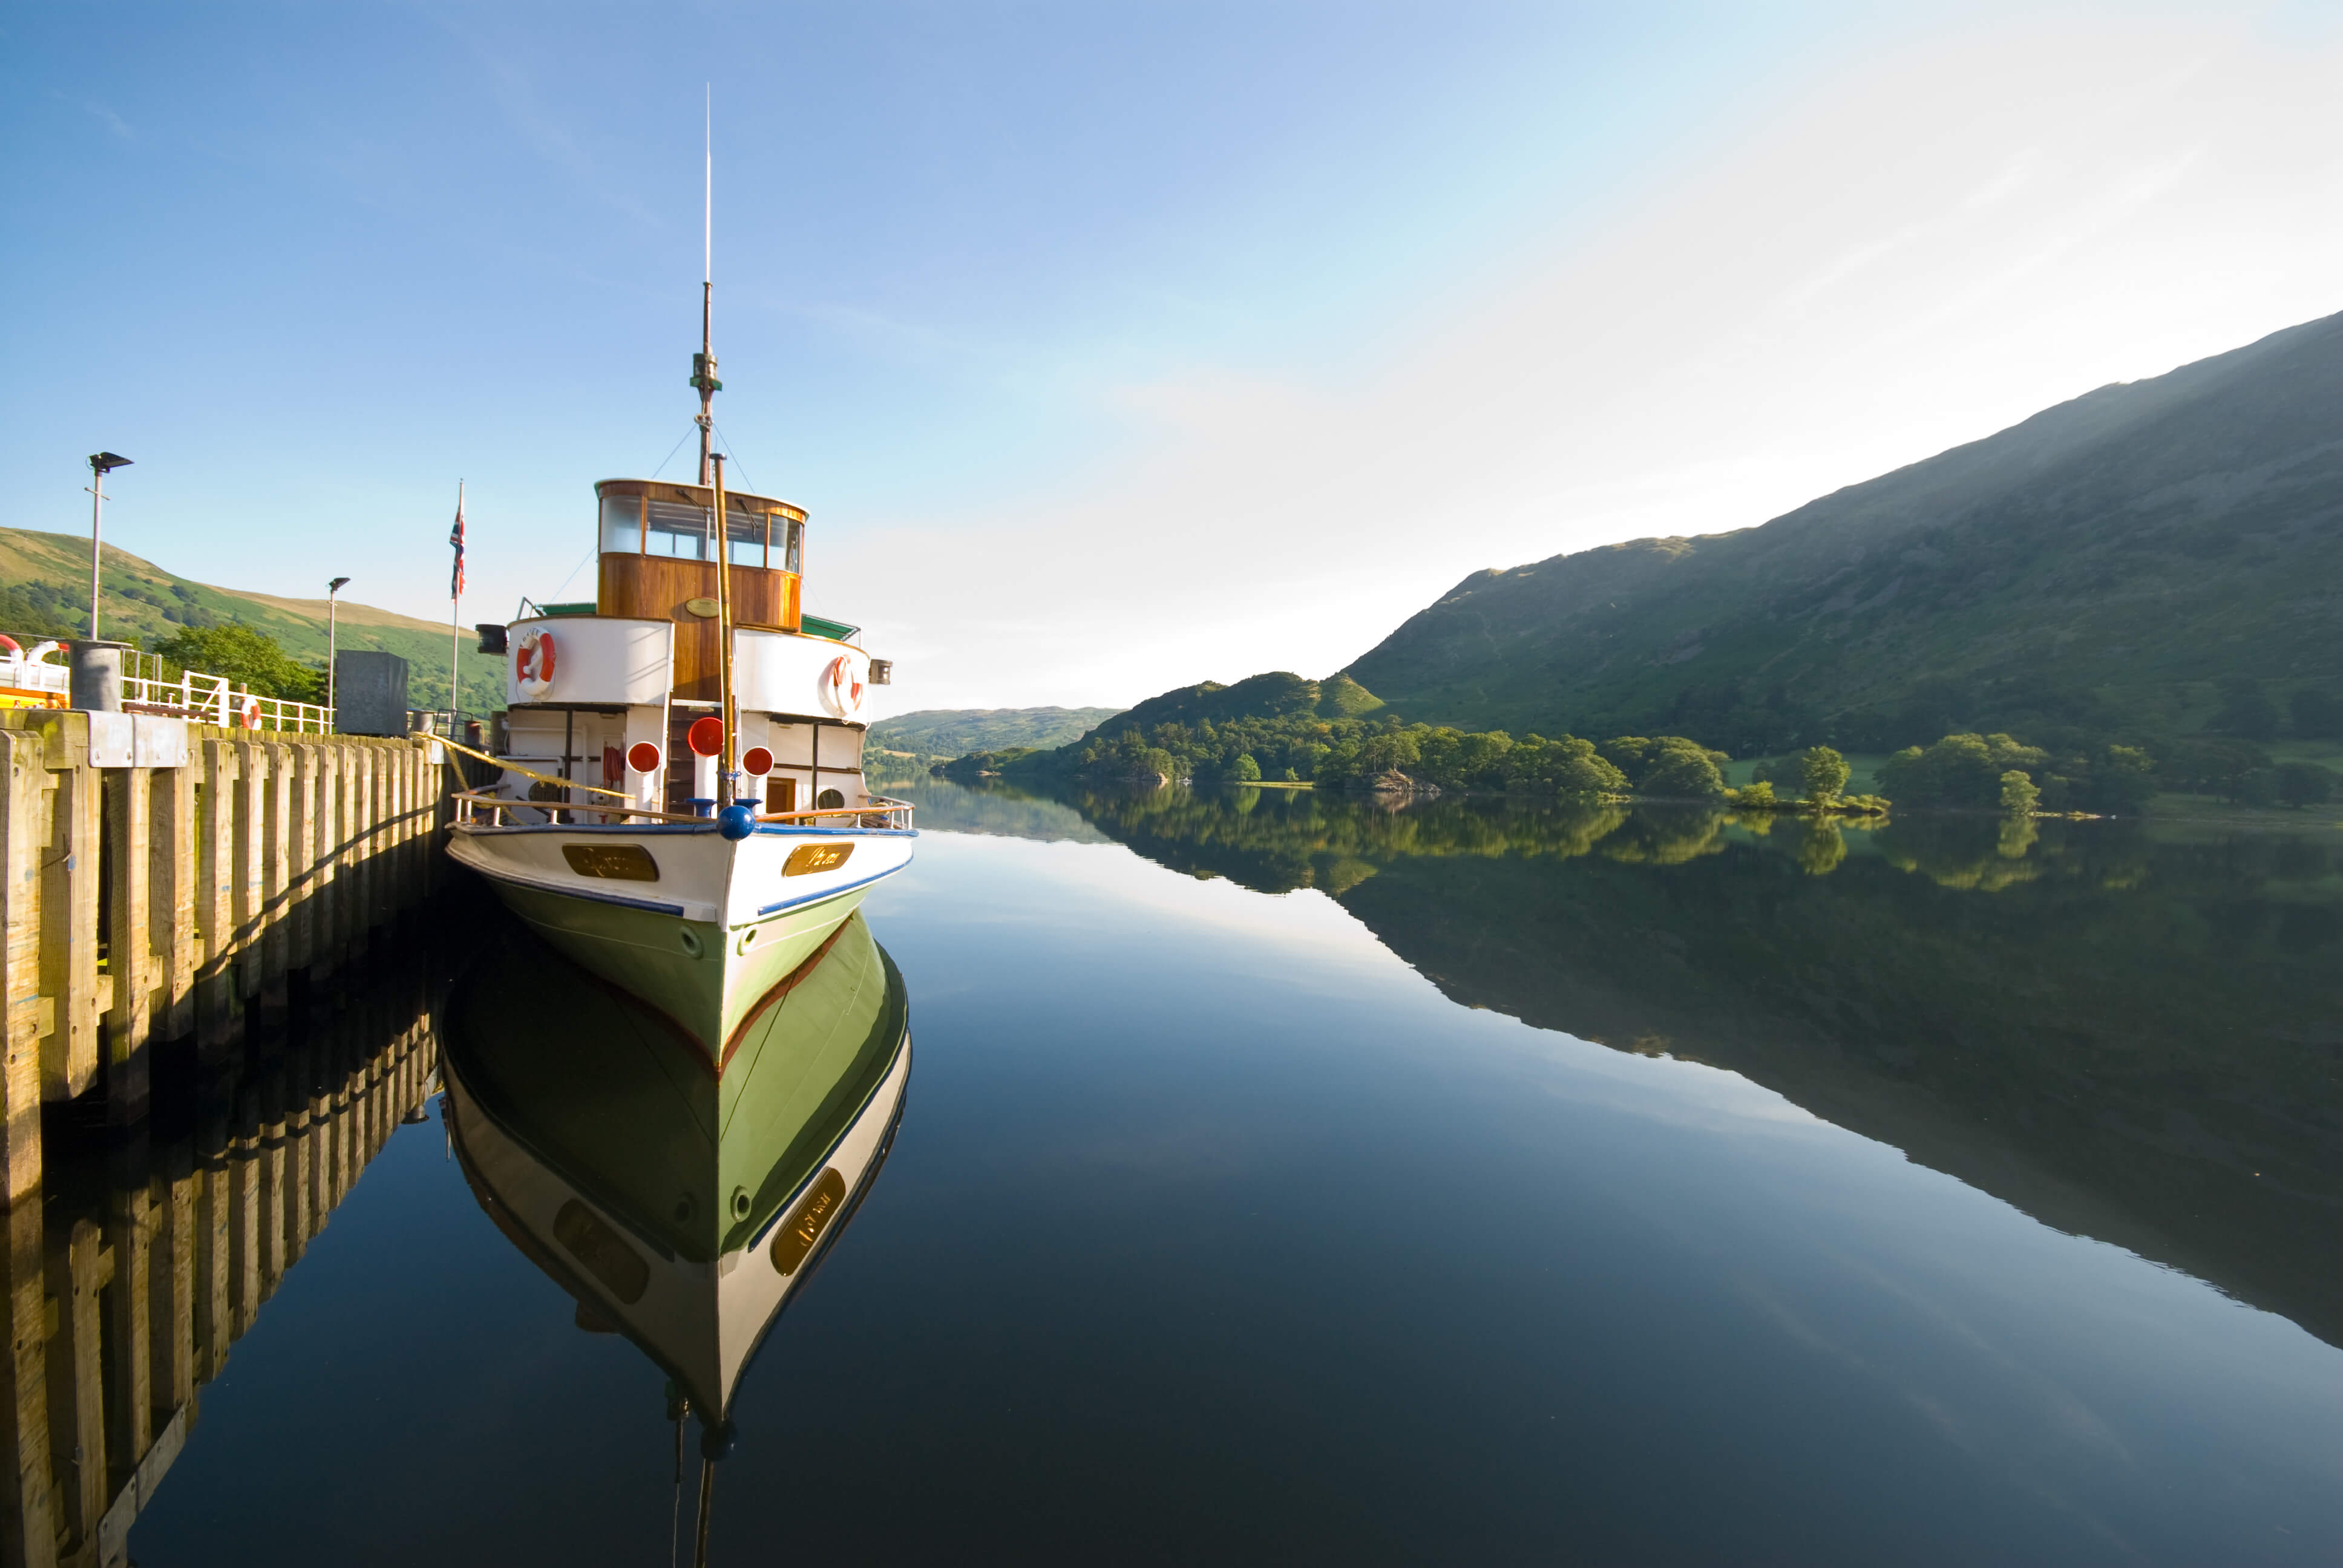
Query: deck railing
[[495, 810]]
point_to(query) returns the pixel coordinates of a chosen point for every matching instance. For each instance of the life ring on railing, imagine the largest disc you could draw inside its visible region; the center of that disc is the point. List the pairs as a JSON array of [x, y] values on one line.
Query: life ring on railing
[[533, 664], [841, 691], [251, 713], [40, 653]]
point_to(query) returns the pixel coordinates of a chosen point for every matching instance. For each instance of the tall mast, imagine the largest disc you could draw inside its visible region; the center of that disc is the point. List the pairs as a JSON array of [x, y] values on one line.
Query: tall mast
[[703, 364]]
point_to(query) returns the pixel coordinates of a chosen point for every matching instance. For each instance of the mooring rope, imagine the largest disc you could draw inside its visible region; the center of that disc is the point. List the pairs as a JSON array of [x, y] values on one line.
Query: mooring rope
[[532, 773]]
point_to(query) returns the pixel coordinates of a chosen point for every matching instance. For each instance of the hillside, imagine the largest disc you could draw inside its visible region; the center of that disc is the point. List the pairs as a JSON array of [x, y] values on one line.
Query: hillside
[[2099, 566], [46, 591], [955, 731]]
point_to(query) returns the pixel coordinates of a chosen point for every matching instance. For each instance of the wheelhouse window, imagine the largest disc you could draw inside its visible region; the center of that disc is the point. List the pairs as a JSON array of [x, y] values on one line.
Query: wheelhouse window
[[622, 525], [678, 522], [679, 528], [745, 531]]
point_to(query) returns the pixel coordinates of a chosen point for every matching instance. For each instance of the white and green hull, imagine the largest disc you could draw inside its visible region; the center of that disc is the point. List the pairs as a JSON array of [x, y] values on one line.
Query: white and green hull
[[716, 927]]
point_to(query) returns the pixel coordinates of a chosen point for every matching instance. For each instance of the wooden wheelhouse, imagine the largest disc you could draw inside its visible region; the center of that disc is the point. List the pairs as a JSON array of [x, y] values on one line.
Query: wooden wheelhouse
[[659, 563]]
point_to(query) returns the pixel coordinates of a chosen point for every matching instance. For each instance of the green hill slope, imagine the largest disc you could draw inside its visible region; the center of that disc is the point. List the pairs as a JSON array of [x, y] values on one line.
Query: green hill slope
[[46, 592], [955, 731], [2099, 564]]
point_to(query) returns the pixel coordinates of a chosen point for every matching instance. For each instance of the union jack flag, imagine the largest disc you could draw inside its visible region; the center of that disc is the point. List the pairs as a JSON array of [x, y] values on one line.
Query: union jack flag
[[456, 537]]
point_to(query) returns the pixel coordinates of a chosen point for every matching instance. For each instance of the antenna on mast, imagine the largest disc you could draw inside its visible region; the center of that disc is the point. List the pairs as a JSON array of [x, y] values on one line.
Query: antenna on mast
[[703, 364]]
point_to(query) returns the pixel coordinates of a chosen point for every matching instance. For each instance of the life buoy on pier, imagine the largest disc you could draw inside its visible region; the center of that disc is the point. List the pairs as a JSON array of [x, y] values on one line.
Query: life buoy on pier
[[841, 688], [533, 658], [251, 713]]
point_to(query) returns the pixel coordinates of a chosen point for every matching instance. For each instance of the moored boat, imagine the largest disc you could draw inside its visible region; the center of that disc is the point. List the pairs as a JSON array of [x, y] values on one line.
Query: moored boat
[[681, 804]]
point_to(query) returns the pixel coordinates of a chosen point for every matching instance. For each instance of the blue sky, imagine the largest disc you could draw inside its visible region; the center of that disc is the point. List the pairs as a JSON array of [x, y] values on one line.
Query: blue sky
[[1111, 347]]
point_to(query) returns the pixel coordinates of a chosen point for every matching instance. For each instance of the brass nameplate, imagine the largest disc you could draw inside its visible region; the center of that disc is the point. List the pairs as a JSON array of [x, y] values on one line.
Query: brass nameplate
[[808, 857], [626, 863], [814, 1213], [705, 608]]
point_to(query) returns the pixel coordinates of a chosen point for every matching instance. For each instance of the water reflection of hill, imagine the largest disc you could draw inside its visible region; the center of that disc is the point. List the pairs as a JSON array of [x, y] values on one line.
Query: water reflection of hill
[[1003, 812], [2137, 1040]]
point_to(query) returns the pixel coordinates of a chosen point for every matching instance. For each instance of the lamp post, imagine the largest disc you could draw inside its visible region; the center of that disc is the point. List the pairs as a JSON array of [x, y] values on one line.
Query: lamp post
[[100, 465], [332, 605]]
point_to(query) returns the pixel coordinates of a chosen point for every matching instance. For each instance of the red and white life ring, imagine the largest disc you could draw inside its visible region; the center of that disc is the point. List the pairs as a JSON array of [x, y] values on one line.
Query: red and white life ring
[[533, 663], [15, 649], [841, 688], [251, 713]]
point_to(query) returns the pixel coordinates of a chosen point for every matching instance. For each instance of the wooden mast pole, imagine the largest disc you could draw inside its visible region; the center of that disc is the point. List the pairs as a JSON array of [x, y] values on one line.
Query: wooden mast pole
[[728, 759]]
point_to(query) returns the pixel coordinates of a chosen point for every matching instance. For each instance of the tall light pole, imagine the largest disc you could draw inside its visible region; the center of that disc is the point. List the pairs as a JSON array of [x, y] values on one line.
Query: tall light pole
[[331, 606], [100, 465]]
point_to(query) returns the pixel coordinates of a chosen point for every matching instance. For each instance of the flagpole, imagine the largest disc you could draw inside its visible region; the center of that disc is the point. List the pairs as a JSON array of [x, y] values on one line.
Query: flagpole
[[456, 614]]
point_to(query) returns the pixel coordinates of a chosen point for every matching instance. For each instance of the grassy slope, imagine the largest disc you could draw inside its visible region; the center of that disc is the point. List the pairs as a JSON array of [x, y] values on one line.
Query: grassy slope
[[2100, 562], [143, 603]]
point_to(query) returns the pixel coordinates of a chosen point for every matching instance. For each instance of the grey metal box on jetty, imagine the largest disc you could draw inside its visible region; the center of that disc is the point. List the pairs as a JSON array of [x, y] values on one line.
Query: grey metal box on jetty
[[97, 675], [370, 693]]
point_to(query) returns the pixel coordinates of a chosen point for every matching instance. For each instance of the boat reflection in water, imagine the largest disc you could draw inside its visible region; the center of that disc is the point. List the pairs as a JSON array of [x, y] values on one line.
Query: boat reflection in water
[[680, 1204]]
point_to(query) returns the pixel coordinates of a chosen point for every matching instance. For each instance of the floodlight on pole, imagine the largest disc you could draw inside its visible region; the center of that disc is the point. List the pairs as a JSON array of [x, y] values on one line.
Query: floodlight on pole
[[331, 606], [100, 465]]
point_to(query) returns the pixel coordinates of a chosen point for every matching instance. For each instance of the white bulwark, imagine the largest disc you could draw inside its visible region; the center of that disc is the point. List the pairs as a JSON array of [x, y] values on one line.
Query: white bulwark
[[596, 659]]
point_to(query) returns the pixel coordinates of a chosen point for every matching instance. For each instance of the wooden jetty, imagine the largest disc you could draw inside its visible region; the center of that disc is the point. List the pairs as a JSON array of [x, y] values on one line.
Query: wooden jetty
[[164, 881], [173, 896]]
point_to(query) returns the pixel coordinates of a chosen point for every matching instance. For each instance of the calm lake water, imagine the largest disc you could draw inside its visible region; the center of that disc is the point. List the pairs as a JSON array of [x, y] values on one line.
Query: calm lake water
[[1284, 1179]]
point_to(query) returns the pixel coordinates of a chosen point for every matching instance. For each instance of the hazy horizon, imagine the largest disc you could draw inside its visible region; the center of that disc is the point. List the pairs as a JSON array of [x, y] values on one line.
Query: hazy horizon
[[1112, 351]]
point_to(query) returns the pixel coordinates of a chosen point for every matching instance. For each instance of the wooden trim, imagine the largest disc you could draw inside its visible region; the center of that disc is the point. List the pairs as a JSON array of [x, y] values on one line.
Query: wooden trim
[[692, 495]]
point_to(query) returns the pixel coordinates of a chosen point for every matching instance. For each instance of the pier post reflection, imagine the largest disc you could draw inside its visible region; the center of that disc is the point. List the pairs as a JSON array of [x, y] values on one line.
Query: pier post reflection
[[138, 1252]]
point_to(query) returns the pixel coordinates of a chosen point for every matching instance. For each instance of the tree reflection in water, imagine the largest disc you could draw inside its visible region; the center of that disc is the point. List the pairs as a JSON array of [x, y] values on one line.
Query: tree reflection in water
[[2129, 1036]]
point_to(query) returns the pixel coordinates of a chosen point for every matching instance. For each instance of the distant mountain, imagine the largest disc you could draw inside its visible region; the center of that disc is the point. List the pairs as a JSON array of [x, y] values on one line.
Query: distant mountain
[[2099, 566], [1278, 695], [44, 589], [955, 731]]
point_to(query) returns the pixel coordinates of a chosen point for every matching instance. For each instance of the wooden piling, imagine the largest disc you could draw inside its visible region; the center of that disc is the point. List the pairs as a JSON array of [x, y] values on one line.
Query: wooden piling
[[25, 790], [69, 890], [130, 801], [173, 856]]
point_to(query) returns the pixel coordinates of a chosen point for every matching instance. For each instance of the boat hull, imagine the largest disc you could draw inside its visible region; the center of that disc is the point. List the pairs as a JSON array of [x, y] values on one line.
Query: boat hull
[[716, 927]]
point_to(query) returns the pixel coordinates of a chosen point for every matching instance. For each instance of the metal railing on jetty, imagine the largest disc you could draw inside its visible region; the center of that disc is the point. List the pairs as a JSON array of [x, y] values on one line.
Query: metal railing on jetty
[[148, 687]]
